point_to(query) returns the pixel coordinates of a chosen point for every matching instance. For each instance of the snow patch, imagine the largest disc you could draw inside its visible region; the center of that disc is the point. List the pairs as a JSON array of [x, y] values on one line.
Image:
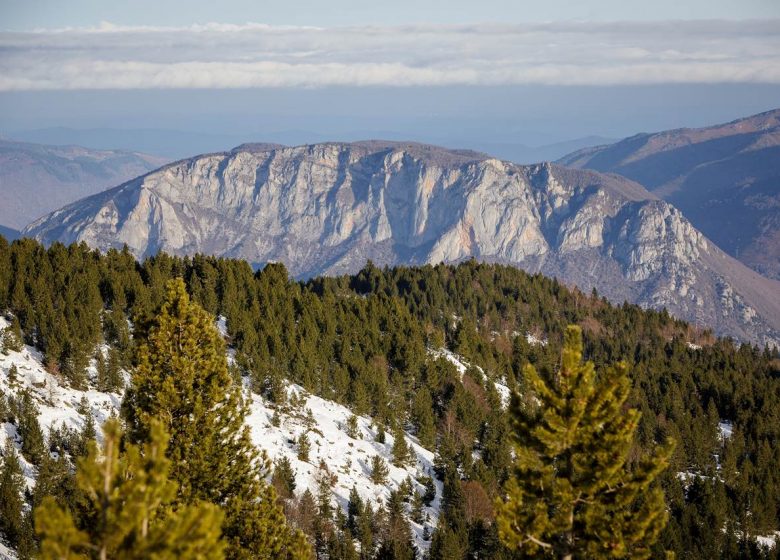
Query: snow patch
[[346, 458], [725, 429]]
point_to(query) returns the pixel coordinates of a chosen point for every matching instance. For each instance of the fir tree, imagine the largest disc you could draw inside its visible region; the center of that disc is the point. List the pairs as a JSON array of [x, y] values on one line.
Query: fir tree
[[182, 380], [126, 515], [572, 494]]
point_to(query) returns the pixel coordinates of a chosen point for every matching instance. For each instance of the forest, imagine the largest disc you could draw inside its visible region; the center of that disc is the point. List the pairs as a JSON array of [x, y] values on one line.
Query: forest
[[369, 341]]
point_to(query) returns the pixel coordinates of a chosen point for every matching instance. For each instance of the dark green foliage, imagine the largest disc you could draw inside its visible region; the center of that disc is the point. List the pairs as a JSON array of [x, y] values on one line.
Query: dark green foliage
[[402, 454], [572, 493], [379, 470], [283, 478], [26, 414], [351, 427], [304, 447], [11, 491], [182, 381], [11, 337], [361, 340]]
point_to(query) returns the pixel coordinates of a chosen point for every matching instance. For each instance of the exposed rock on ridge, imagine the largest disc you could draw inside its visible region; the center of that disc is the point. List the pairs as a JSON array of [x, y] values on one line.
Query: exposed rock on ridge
[[326, 208]]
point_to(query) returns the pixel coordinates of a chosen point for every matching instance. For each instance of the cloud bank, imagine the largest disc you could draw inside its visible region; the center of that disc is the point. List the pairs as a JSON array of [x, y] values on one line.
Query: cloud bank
[[216, 56]]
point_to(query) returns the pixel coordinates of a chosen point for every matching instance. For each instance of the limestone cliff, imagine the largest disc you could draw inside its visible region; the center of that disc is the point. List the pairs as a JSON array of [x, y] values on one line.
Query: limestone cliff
[[326, 208]]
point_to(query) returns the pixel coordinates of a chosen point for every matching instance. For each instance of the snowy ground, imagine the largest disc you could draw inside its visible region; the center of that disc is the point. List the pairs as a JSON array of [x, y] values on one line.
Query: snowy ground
[[348, 459]]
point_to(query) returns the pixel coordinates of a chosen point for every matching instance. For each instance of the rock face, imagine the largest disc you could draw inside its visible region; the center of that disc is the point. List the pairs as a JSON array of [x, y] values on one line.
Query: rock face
[[36, 179], [326, 208], [725, 179]]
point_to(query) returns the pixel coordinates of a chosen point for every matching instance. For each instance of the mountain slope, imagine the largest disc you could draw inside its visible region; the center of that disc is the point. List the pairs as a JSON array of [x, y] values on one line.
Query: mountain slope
[[36, 179], [348, 459], [326, 208], [725, 179], [9, 233]]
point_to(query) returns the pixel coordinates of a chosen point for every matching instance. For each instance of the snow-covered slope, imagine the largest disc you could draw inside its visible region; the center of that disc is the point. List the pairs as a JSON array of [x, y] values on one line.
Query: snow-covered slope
[[347, 458]]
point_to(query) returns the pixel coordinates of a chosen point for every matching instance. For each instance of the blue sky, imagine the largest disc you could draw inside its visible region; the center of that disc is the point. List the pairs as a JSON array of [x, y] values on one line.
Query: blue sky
[[487, 75]]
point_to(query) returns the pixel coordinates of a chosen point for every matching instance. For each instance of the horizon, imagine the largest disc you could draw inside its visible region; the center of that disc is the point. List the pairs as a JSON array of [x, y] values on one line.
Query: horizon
[[502, 77]]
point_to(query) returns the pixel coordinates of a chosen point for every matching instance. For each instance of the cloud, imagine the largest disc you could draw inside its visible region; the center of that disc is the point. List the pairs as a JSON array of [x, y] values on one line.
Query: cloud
[[262, 56]]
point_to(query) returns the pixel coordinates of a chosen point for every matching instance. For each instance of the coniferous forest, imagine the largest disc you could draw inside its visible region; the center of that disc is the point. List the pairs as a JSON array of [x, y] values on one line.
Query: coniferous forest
[[176, 475]]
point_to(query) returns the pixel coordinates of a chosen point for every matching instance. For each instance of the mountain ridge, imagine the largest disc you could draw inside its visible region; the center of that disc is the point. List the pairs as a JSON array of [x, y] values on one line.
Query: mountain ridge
[[724, 178], [37, 178], [326, 208]]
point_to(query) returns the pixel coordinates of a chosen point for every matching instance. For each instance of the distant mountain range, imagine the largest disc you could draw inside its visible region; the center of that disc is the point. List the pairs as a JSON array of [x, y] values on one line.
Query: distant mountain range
[[36, 179], [9, 233], [326, 208], [177, 144], [724, 178]]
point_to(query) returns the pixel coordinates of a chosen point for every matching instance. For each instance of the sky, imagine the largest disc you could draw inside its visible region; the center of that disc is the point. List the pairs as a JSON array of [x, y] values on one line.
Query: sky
[[495, 75]]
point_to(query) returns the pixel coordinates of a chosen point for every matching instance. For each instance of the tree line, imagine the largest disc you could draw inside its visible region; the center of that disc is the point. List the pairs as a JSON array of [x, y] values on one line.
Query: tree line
[[366, 341]]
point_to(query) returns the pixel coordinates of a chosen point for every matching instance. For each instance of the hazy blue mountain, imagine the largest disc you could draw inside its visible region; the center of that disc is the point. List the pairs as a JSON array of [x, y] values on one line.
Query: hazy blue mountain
[[9, 233], [725, 179], [35, 179]]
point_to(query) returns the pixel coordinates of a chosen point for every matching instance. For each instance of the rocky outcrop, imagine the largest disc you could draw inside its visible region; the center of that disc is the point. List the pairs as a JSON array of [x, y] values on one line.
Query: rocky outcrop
[[326, 208]]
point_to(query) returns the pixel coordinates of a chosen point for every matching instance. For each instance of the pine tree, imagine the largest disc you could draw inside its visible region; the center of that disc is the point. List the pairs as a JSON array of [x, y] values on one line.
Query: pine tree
[[572, 494], [182, 380], [33, 447], [126, 515], [11, 503], [11, 338], [402, 455], [352, 428], [304, 447], [379, 470]]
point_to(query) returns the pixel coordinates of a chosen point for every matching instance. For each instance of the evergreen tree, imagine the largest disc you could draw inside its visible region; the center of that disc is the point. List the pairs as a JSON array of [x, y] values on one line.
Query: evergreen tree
[[11, 337], [283, 478], [126, 515], [33, 447], [13, 375], [379, 470], [304, 447], [402, 455], [182, 380], [572, 494], [11, 490]]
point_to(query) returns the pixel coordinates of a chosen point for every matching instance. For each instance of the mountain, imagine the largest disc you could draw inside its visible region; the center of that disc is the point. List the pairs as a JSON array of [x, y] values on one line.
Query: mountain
[[523, 153], [724, 178], [9, 233], [326, 208], [36, 179], [171, 144]]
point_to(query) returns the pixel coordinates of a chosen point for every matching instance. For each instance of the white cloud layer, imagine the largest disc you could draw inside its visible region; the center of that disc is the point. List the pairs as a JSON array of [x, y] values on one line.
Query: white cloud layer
[[262, 56]]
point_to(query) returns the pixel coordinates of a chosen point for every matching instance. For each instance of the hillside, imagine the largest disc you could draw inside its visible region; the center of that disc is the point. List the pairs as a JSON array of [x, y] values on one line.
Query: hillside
[[63, 408], [36, 179], [327, 208], [428, 352], [724, 178]]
